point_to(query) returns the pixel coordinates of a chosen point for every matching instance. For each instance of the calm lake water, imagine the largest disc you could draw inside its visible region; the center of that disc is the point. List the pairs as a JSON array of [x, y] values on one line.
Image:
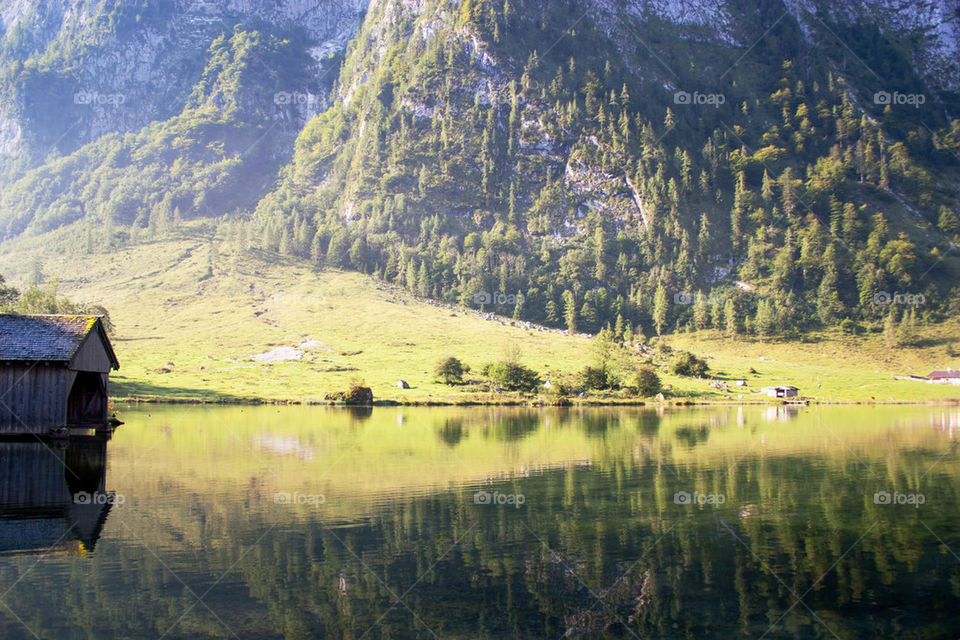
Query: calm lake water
[[260, 522]]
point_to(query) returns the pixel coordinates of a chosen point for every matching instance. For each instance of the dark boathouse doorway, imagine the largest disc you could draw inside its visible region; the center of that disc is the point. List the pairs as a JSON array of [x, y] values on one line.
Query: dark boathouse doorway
[[87, 403]]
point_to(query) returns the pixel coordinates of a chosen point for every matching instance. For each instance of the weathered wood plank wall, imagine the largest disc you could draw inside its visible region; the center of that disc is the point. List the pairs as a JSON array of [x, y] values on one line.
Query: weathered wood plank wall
[[33, 397]]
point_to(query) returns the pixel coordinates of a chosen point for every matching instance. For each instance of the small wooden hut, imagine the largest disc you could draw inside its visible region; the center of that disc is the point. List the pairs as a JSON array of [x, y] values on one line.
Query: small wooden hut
[[782, 391], [54, 372]]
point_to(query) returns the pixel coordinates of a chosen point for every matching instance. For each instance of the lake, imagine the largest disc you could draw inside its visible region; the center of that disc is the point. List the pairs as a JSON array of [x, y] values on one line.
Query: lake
[[299, 522]]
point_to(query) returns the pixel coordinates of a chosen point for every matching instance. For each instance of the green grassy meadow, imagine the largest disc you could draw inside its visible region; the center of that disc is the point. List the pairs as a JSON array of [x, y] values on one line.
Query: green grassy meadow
[[193, 325]]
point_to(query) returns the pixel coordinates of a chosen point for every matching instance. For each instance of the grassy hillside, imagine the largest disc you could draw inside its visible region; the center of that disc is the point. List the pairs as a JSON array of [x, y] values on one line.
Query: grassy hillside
[[834, 367], [184, 329], [192, 324]]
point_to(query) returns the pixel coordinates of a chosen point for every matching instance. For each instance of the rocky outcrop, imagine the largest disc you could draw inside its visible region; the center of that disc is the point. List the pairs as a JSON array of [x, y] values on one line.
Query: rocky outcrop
[[931, 27], [86, 69]]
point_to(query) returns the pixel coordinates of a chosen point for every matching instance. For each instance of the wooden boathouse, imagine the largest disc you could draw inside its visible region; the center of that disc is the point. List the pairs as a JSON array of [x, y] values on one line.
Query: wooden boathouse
[[54, 372]]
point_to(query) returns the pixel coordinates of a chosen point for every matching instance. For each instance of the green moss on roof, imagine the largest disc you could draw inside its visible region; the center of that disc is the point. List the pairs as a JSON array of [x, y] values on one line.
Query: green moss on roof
[[47, 338]]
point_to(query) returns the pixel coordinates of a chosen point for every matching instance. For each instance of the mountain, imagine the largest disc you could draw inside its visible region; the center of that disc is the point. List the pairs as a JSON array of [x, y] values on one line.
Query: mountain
[[654, 165], [135, 111], [121, 65]]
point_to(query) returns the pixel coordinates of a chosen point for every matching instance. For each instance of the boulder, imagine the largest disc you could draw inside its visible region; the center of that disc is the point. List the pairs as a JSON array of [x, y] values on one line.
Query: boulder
[[402, 384]]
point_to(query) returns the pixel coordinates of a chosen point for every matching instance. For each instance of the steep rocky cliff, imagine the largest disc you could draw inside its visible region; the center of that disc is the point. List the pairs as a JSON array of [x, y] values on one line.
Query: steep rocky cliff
[[929, 29], [78, 69], [145, 112]]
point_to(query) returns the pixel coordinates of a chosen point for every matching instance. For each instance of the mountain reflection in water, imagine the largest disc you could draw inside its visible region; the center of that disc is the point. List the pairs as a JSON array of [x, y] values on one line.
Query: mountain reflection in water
[[489, 523]]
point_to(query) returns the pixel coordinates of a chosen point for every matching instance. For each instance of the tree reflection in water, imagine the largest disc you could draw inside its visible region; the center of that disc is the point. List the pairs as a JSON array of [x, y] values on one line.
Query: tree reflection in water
[[620, 533]]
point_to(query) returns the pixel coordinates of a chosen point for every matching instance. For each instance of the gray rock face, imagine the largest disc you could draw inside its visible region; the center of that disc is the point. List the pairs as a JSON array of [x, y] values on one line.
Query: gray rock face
[[119, 70], [933, 25]]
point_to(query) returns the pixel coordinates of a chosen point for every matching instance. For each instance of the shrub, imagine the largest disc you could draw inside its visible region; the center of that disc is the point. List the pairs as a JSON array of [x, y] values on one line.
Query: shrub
[[596, 378], [850, 327], [647, 382], [554, 392], [450, 371], [357, 395], [688, 364], [512, 376]]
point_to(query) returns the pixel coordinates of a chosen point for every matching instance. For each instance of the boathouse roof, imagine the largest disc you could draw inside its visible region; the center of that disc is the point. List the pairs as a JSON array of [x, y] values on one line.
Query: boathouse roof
[[49, 338]]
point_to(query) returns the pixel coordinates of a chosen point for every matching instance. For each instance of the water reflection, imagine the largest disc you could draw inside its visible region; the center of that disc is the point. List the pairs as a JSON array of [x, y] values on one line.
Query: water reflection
[[52, 495], [781, 413], [496, 523]]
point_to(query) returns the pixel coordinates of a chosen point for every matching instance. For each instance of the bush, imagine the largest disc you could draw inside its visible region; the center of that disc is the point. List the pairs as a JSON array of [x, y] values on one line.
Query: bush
[[850, 327], [688, 364], [450, 371], [512, 376], [554, 392], [39, 299], [647, 382], [357, 395], [596, 378]]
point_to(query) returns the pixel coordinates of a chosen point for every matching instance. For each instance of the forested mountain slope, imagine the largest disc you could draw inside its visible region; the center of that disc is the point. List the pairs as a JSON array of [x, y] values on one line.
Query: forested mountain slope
[[127, 114], [608, 160], [577, 163]]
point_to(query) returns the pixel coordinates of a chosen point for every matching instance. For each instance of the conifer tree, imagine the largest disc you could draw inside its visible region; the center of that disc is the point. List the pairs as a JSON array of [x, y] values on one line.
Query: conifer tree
[[570, 311], [731, 322], [661, 309], [890, 334], [701, 313]]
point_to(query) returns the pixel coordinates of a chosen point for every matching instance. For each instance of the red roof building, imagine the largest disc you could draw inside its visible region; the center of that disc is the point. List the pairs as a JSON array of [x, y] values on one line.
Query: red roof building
[[945, 376]]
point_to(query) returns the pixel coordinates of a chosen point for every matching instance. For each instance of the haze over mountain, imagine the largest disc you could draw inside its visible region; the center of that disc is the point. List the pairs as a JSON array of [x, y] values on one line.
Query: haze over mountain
[[796, 162]]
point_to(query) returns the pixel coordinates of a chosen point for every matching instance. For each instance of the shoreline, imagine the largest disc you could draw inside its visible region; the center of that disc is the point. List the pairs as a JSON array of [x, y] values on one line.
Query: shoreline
[[531, 403]]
